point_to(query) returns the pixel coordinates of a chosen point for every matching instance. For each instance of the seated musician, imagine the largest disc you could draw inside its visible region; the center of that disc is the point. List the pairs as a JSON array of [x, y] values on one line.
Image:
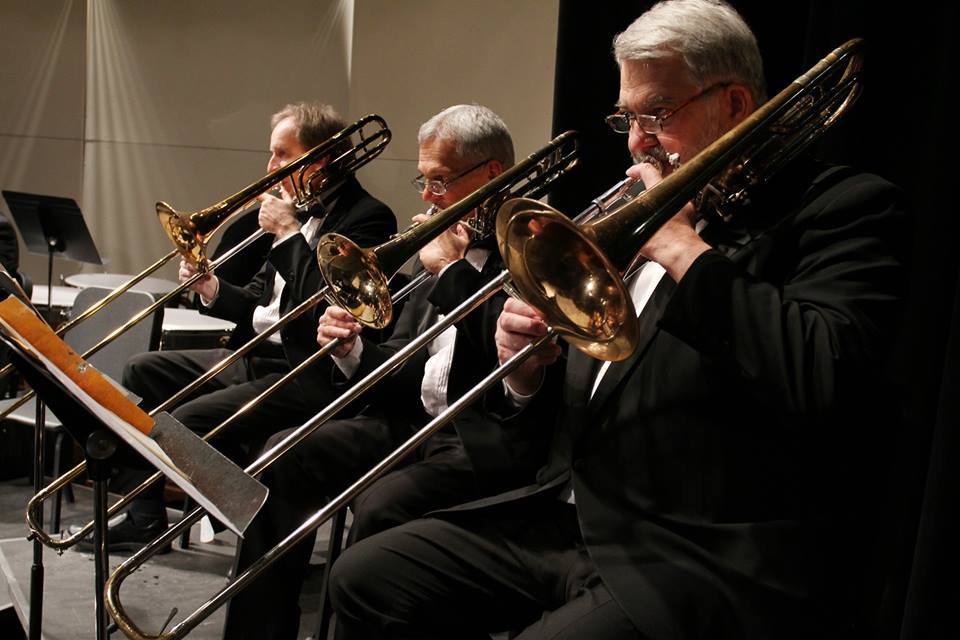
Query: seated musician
[[289, 276], [460, 149], [709, 486]]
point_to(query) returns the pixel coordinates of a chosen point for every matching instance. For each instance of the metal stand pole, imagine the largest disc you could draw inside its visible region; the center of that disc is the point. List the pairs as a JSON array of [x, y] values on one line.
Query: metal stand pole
[[100, 446], [36, 570]]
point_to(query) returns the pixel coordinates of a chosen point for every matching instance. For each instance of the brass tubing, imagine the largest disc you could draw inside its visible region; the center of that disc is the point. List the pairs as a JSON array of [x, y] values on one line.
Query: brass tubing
[[411, 241], [213, 217], [290, 375], [115, 607]]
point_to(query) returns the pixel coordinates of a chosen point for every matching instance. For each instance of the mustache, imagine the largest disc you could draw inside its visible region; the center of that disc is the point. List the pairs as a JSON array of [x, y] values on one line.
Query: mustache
[[658, 157]]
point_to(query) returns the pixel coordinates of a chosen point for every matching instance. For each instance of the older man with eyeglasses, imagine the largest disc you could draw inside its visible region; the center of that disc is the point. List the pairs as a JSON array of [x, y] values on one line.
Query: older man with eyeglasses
[[460, 149], [721, 482]]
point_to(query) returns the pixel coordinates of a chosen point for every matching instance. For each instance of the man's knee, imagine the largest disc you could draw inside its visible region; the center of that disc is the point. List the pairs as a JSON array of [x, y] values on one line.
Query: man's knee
[[352, 593], [136, 370], [377, 510]]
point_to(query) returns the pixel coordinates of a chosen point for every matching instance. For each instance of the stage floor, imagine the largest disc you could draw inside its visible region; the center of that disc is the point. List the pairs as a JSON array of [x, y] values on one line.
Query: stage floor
[[182, 578]]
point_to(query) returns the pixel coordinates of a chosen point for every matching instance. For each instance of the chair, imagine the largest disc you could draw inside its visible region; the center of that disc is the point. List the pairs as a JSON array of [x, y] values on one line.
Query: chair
[[109, 360]]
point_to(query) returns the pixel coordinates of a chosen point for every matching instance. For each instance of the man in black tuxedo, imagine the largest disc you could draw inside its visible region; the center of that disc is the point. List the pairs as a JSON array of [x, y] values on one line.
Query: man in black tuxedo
[[460, 149], [710, 485], [289, 276]]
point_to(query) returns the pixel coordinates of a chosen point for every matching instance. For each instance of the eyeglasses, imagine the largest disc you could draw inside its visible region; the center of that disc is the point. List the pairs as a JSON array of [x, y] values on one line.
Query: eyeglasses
[[621, 121], [439, 186]]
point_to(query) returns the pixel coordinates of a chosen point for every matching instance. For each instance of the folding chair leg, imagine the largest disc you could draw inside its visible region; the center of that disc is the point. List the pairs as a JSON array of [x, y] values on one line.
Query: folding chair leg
[[185, 536]]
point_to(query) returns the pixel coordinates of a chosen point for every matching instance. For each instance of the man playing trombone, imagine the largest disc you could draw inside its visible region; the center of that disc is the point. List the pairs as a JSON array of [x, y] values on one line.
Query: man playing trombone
[[289, 276], [460, 149], [710, 485]]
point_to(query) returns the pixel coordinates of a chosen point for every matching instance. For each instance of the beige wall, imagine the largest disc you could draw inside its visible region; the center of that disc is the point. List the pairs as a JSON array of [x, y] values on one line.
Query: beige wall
[[412, 59], [119, 104], [41, 103]]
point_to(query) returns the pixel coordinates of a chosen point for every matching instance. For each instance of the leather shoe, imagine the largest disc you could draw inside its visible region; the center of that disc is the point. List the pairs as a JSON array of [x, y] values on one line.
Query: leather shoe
[[123, 534]]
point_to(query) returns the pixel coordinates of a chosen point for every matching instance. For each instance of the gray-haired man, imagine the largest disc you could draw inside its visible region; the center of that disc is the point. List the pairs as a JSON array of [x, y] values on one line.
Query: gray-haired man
[[709, 486], [460, 149]]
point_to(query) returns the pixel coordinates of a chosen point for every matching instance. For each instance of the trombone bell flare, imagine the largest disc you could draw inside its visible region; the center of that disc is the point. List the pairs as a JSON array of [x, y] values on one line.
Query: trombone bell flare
[[356, 275], [559, 269], [182, 233]]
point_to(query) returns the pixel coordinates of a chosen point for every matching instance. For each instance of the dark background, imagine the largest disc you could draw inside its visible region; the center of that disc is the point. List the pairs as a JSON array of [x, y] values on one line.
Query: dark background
[[901, 130]]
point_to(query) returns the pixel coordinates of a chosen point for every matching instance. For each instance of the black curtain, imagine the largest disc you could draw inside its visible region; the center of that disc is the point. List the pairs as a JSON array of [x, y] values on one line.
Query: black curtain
[[899, 129]]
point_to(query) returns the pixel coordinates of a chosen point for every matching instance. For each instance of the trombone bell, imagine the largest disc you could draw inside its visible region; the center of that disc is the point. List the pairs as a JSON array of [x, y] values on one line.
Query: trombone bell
[[559, 269], [183, 233], [354, 273]]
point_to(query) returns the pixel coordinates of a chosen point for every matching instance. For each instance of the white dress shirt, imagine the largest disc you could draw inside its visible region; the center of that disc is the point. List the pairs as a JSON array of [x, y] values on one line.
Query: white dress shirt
[[266, 315], [436, 374]]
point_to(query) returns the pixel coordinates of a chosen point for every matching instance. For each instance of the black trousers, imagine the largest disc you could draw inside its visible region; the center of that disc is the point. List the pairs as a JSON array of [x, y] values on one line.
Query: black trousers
[[319, 468], [157, 375], [467, 574]]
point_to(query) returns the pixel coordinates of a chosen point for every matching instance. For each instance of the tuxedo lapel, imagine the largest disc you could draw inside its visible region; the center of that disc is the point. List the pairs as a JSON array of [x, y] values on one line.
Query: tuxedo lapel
[[427, 314], [344, 198], [648, 328], [269, 275], [581, 372]]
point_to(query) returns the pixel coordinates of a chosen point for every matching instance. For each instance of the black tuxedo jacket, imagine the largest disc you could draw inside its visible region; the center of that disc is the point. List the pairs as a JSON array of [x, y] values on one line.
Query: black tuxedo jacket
[[241, 268], [719, 468], [357, 215], [500, 457]]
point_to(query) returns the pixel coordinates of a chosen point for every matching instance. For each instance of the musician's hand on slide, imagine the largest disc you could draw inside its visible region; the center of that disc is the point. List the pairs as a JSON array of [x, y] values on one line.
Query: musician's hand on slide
[[207, 287], [337, 323], [519, 325]]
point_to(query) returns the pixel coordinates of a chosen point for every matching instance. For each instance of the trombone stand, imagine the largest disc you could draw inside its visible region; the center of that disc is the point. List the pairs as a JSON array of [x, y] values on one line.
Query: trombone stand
[[100, 447]]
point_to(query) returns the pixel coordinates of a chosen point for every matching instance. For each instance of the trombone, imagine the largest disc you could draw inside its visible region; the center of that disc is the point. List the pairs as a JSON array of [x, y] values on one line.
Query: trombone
[[737, 162], [538, 170], [191, 231], [539, 173], [539, 179]]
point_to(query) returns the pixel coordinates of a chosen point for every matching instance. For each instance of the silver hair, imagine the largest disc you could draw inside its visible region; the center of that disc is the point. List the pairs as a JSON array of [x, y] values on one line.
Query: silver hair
[[713, 39], [476, 132]]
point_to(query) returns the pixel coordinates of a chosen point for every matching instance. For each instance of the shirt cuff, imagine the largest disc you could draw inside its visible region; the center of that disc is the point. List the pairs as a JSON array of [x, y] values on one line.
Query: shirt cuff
[[209, 303], [447, 266], [278, 239], [349, 363], [518, 400]]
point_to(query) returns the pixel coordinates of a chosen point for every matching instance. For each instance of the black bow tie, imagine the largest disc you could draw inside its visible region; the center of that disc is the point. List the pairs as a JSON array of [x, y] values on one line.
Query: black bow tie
[[315, 210]]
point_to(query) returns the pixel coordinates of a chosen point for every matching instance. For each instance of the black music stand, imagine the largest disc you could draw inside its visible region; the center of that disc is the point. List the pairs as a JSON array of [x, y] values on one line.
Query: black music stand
[[50, 225], [10, 286], [99, 445]]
